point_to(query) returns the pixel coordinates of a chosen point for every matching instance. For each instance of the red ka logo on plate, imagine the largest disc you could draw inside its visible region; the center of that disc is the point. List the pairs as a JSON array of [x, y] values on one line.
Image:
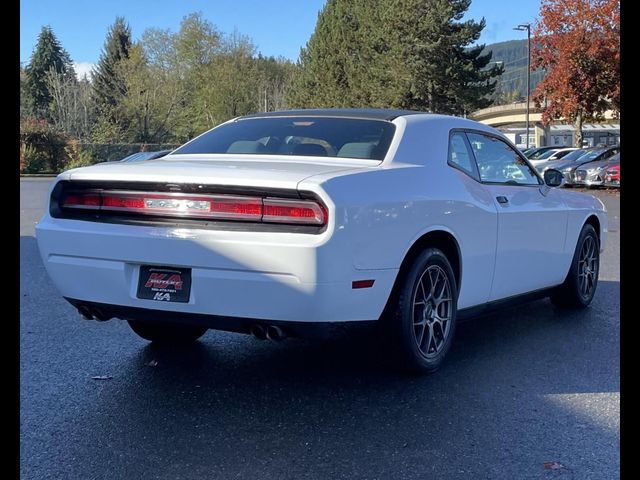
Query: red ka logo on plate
[[160, 280]]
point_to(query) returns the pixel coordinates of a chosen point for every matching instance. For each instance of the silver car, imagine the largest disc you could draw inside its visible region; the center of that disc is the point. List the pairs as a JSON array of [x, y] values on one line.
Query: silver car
[[593, 174]]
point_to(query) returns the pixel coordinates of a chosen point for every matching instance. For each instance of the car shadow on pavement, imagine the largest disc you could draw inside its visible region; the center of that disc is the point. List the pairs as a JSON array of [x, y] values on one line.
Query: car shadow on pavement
[[526, 338]]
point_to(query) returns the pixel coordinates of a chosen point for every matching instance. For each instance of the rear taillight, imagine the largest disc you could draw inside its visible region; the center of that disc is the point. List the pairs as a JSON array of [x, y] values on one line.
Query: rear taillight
[[293, 211], [82, 201], [215, 207], [236, 208]]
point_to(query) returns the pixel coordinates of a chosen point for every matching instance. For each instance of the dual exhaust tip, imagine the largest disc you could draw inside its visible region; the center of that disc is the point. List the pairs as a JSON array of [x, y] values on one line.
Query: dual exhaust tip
[[91, 313], [269, 332], [261, 332]]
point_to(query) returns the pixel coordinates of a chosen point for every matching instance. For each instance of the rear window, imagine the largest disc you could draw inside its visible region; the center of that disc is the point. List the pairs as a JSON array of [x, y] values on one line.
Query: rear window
[[307, 136]]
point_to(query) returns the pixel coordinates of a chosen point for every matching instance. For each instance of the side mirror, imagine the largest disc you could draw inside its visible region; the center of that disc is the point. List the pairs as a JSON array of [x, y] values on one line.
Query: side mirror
[[553, 177]]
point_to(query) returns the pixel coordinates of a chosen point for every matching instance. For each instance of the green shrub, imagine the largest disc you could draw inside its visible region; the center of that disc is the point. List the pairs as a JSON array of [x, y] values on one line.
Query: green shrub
[[46, 146], [32, 160], [78, 155]]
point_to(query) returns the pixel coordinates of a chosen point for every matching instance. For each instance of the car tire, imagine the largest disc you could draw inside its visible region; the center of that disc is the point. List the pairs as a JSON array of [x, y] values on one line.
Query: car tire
[[578, 289], [422, 320], [167, 332]]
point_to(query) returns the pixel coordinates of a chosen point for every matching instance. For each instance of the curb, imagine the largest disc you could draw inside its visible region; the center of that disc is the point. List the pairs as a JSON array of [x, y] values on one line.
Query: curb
[[38, 175]]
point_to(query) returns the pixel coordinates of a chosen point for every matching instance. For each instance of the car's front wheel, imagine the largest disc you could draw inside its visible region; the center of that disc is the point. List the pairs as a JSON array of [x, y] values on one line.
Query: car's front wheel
[[423, 319], [167, 332]]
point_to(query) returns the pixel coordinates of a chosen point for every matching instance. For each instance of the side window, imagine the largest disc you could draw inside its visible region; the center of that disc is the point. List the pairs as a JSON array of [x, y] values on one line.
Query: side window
[[459, 154], [610, 153], [499, 163]]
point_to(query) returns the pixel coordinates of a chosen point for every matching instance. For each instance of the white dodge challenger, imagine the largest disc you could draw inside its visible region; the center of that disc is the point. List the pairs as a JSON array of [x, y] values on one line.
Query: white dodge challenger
[[289, 223]]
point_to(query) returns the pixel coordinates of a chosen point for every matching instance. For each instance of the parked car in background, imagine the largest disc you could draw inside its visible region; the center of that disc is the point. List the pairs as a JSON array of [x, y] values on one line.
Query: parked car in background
[[569, 163], [294, 222], [538, 151], [142, 156], [612, 176], [571, 156], [560, 153], [541, 158], [592, 174], [550, 155]]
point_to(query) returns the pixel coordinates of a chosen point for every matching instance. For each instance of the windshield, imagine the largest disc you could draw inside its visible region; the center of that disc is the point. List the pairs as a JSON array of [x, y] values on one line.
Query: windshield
[[576, 154], [587, 157], [306, 136], [538, 153], [546, 154], [561, 154]]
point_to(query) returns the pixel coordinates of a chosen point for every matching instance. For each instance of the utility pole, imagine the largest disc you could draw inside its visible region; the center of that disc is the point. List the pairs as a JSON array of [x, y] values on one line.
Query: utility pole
[[522, 27]]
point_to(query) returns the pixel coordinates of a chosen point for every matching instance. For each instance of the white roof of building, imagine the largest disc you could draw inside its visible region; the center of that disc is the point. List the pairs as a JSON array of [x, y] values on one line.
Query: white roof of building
[[587, 127]]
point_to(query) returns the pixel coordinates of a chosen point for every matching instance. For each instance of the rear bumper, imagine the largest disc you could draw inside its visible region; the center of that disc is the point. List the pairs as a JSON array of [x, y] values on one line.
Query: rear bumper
[[248, 275], [216, 322]]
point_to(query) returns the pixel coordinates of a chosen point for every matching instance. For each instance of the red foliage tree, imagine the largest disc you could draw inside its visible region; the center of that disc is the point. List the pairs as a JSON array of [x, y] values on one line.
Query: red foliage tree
[[577, 43]]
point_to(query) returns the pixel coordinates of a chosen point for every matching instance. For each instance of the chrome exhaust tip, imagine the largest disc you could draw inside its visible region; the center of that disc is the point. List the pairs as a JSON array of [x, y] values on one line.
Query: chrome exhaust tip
[[275, 333], [258, 331], [100, 315], [85, 312]]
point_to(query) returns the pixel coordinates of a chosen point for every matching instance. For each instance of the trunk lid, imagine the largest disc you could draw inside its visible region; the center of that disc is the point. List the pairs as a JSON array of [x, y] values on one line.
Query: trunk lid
[[252, 171]]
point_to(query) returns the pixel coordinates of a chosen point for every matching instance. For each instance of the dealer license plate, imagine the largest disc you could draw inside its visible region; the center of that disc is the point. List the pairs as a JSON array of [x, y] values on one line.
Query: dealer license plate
[[164, 284]]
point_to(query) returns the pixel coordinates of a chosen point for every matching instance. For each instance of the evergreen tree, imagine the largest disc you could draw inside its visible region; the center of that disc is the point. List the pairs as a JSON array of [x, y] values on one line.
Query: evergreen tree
[[108, 84], [48, 56], [330, 62], [25, 103], [411, 54]]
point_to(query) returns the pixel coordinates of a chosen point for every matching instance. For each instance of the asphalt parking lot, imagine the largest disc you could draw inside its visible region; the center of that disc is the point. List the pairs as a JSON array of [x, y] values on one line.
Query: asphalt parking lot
[[531, 392]]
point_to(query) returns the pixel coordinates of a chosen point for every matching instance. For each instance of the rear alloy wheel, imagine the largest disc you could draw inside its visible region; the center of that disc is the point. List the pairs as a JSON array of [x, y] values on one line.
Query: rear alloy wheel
[[578, 289], [167, 332], [423, 323]]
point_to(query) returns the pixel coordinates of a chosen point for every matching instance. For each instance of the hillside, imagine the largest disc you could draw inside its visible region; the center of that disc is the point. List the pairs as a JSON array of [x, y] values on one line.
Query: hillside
[[513, 83]]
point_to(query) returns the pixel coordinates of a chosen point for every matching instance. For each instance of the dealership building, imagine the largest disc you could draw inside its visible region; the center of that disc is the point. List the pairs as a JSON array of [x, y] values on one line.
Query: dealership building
[[511, 120], [561, 135]]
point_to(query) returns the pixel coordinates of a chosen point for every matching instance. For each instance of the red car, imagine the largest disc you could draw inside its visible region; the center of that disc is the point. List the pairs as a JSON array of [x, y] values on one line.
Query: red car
[[612, 176]]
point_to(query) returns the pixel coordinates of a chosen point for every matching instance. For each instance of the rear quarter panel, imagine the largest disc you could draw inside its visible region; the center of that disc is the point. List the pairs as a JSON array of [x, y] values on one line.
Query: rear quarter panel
[[381, 212]]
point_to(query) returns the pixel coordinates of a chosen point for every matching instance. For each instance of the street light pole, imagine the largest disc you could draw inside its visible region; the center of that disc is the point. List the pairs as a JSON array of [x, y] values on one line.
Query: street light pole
[[522, 27]]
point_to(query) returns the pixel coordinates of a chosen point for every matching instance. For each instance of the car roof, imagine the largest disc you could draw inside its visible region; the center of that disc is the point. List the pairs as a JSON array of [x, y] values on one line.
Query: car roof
[[365, 113]]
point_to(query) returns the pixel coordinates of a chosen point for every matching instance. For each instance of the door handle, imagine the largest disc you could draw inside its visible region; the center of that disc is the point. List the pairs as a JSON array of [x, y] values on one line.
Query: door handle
[[502, 199]]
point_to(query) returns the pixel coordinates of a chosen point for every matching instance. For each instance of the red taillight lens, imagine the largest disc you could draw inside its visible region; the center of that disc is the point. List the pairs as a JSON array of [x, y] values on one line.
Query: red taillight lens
[[216, 207], [240, 208], [122, 202], [81, 201], [293, 211]]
